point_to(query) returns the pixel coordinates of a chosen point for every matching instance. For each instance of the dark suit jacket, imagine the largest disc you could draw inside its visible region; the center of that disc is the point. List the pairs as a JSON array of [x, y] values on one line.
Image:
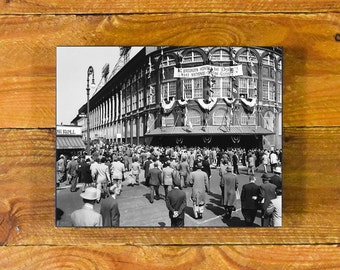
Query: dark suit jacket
[[176, 201], [276, 180], [155, 177], [110, 212], [248, 191], [267, 191]]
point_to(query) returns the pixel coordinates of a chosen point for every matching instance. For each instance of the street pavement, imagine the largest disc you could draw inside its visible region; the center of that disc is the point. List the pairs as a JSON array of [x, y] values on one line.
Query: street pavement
[[137, 211]]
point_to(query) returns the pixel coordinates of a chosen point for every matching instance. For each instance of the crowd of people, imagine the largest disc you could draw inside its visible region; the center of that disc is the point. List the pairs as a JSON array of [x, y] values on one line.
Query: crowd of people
[[104, 169]]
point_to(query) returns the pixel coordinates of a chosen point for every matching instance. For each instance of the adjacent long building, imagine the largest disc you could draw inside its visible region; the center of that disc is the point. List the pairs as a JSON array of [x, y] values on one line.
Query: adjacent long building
[[193, 96]]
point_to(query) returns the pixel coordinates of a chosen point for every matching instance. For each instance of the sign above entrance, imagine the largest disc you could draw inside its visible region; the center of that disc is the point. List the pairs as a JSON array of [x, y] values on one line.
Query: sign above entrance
[[69, 130], [208, 70]]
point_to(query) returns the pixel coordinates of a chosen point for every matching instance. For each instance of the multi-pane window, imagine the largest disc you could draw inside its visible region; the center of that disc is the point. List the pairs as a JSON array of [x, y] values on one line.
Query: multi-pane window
[[268, 90], [193, 88], [247, 57], [168, 90], [123, 100], [247, 119], [134, 101], [134, 128], [220, 55], [268, 120], [191, 57], [218, 117], [140, 98], [247, 87], [194, 117], [222, 87], [167, 61], [128, 102], [168, 121]]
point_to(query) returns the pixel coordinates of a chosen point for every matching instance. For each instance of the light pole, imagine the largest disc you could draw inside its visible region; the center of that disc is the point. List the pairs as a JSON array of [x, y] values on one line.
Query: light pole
[[89, 73]]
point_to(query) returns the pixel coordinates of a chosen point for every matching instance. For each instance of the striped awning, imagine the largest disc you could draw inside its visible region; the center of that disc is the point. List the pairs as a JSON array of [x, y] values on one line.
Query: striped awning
[[210, 130], [70, 142]]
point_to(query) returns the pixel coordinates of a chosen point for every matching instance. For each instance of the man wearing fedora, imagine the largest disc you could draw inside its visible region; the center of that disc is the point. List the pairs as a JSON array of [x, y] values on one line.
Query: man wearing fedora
[[176, 203], [267, 193], [87, 216], [276, 178]]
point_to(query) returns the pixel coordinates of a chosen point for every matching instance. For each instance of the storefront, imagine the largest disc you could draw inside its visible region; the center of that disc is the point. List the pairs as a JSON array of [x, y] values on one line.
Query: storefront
[[69, 141]]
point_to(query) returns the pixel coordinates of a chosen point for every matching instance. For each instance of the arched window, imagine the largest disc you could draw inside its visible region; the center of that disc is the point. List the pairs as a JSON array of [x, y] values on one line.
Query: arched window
[[248, 82], [192, 57], [220, 55], [219, 117], [194, 117], [268, 77], [268, 120], [134, 128], [150, 122], [168, 121], [247, 119]]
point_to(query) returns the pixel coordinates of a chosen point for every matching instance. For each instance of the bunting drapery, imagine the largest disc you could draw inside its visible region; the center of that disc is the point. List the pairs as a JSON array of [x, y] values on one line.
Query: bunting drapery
[[229, 100], [249, 106], [167, 107], [207, 106]]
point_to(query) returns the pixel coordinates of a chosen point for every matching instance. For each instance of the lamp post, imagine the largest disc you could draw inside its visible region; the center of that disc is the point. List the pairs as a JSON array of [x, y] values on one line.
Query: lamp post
[[89, 73]]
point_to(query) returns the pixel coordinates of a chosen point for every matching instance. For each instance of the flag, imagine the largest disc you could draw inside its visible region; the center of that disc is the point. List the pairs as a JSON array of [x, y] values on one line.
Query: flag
[[162, 68], [234, 84], [152, 90], [150, 68], [253, 72]]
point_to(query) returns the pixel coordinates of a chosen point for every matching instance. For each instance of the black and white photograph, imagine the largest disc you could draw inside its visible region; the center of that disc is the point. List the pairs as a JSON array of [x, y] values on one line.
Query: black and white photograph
[[169, 136]]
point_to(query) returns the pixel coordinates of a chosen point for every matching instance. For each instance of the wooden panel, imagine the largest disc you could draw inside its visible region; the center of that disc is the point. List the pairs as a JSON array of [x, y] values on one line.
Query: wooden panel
[[28, 56], [167, 258], [144, 6], [311, 190]]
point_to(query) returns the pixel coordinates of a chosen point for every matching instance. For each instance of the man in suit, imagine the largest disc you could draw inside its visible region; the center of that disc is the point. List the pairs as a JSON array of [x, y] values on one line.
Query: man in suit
[[176, 202], [249, 203], [109, 208], [199, 182], [87, 216], [229, 186], [267, 193], [155, 175]]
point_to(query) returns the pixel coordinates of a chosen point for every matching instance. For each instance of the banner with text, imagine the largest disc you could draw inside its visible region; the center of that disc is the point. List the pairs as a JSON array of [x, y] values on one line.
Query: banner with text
[[208, 70]]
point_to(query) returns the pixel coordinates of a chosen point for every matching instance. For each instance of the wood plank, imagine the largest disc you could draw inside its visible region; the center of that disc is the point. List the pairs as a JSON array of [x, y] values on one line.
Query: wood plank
[[311, 64], [173, 257], [311, 190], [144, 7]]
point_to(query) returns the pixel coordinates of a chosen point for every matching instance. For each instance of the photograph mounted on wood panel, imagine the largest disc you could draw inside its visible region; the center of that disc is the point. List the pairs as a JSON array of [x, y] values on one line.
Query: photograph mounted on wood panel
[[169, 136]]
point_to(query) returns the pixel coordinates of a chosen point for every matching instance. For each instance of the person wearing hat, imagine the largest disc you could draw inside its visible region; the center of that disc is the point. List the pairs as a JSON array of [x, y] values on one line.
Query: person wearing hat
[[267, 193], [276, 178], [155, 175], [87, 216], [229, 185], [249, 197], [199, 181], [176, 202], [72, 171], [109, 209]]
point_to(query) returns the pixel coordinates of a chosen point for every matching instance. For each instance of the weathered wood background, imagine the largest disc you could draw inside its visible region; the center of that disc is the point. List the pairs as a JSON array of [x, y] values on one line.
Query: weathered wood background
[[309, 32]]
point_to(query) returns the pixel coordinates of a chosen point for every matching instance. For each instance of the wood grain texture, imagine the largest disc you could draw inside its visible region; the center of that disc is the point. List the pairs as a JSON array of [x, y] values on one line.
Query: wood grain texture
[[29, 34], [144, 6], [28, 56], [168, 258], [311, 190]]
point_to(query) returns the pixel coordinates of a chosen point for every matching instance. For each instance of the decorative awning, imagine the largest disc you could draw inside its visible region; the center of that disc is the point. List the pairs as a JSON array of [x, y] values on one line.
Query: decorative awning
[[70, 142], [209, 130]]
